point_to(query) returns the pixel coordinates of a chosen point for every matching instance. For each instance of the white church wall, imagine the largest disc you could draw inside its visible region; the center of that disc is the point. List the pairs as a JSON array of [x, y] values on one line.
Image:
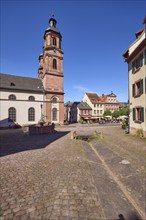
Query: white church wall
[[21, 104]]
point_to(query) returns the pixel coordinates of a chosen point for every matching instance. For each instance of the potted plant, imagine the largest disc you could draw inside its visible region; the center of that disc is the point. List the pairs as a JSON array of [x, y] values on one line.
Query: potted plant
[[124, 123]]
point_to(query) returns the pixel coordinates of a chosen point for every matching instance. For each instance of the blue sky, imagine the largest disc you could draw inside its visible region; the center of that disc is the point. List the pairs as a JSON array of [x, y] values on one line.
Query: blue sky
[[95, 35]]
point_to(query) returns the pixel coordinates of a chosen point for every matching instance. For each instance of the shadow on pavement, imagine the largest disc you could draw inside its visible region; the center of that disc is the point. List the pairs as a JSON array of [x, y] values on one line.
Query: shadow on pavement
[[15, 140]]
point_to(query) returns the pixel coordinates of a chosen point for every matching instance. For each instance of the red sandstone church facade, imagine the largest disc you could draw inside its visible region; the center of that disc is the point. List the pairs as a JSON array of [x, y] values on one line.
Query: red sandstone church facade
[[51, 74]]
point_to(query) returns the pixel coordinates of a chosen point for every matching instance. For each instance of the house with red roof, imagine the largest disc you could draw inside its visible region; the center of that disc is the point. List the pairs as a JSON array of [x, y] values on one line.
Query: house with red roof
[[110, 102], [97, 106]]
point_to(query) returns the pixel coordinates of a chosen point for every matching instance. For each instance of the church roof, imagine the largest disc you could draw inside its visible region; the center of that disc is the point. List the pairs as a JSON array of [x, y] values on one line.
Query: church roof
[[52, 26], [12, 82], [52, 29]]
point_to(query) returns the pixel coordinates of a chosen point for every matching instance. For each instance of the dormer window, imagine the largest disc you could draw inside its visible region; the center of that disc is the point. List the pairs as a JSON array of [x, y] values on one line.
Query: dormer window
[[12, 84]]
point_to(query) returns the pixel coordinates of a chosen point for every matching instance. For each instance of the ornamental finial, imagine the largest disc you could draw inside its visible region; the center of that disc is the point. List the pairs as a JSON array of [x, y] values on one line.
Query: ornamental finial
[[52, 14]]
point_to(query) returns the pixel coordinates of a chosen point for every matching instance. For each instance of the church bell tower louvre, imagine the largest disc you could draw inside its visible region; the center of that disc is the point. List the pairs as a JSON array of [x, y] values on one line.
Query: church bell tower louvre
[[51, 73]]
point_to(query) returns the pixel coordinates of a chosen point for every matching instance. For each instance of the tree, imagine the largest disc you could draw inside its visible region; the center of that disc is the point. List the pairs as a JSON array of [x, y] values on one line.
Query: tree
[[123, 111], [107, 112], [116, 114]]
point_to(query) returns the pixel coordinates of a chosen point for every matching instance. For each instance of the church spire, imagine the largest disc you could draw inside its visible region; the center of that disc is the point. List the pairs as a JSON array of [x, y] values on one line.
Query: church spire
[[52, 27]]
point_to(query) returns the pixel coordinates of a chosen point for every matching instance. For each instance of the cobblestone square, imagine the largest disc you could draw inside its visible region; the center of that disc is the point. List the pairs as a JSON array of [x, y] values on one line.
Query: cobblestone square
[[54, 177]]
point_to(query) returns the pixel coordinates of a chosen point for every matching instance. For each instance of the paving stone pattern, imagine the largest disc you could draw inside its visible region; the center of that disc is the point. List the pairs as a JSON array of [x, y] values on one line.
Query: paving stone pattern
[[50, 183], [56, 178]]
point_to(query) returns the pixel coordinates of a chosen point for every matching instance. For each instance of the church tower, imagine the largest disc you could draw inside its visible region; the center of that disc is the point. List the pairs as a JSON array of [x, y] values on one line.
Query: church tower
[[51, 73]]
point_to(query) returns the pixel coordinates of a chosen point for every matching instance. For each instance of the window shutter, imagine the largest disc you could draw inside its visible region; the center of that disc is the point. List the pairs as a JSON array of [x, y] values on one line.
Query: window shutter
[[137, 62], [141, 86], [133, 114], [133, 90], [129, 67], [142, 114], [141, 59], [133, 66]]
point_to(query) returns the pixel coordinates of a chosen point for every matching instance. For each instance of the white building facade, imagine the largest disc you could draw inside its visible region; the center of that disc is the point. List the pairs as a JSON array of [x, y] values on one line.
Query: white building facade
[[93, 100], [21, 100], [135, 56]]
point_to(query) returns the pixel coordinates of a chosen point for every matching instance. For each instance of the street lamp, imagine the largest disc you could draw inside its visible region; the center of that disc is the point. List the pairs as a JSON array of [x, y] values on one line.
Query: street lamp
[[41, 112]]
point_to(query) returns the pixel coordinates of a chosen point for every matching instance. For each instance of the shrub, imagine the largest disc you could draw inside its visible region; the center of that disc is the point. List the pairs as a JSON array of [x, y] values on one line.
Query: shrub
[[81, 120]]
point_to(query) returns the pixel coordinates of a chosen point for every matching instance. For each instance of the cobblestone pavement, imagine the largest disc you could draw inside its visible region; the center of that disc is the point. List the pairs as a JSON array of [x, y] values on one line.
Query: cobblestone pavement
[[56, 178]]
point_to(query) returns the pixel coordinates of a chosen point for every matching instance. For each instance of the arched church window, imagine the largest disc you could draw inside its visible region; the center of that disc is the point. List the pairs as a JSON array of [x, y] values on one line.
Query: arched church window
[[12, 97], [12, 114], [31, 98], [54, 114], [31, 114], [54, 41], [54, 64]]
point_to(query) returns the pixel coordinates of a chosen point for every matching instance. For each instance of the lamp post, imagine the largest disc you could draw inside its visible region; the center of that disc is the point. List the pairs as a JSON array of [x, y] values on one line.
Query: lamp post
[[41, 112]]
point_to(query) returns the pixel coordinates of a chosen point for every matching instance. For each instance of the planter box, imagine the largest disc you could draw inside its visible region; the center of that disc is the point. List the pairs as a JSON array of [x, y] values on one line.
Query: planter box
[[41, 129]]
